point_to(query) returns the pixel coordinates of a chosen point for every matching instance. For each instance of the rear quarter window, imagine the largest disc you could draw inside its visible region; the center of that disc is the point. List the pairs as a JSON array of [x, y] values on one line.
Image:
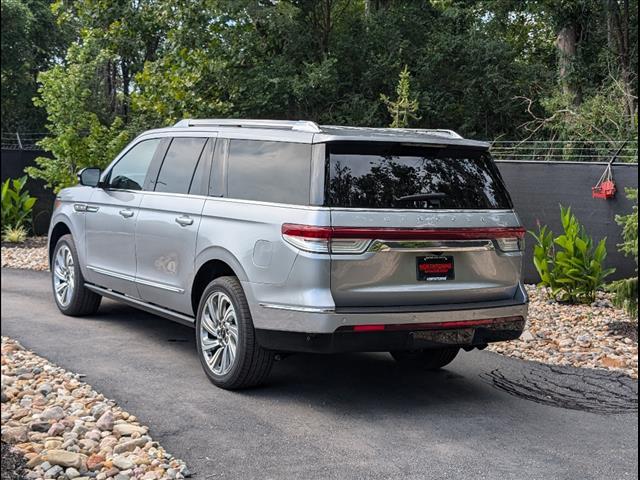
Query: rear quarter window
[[269, 171], [391, 175]]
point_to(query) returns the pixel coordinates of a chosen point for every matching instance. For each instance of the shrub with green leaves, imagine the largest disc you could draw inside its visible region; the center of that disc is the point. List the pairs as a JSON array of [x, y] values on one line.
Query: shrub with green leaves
[[17, 204], [571, 265], [625, 291], [14, 234]]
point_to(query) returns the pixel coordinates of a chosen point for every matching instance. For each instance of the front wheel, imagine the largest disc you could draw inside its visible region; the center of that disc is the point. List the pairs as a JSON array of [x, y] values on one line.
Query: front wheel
[[72, 297], [225, 337], [430, 359]]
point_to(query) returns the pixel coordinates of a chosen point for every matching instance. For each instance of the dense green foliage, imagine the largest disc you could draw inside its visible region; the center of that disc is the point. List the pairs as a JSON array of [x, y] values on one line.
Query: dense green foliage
[[571, 265], [542, 69], [31, 42], [626, 290], [17, 204]]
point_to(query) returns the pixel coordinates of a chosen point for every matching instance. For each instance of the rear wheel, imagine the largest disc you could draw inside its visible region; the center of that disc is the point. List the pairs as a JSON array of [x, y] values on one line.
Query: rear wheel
[[69, 292], [430, 359], [225, 337]]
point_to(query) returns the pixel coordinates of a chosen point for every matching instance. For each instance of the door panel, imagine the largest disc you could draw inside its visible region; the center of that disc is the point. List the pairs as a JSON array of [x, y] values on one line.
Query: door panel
[[166, 243], [110, 239]]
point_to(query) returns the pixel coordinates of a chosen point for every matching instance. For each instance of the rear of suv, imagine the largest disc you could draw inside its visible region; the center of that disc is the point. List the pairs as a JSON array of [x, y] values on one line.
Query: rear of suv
[[276, 236]]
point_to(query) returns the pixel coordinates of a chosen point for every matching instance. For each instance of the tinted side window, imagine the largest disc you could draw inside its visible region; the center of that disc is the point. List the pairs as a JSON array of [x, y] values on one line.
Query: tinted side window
[[130, 171], [179, 165], [269, 171]]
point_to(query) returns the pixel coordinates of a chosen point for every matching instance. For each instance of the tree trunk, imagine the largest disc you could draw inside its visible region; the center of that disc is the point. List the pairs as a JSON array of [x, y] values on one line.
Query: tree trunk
[[618, 26], [567, 44]]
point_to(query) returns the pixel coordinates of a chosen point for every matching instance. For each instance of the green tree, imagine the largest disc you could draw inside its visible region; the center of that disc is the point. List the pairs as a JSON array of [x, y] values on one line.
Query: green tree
[[403, 109], [31, 41], [78, 136]]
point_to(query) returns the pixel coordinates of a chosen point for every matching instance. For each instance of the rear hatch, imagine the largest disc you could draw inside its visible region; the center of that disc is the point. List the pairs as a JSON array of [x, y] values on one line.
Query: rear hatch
[[419, 224]]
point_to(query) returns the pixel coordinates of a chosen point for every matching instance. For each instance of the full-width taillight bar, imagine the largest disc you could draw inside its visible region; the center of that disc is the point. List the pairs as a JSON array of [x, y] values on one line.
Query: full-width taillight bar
[[323, 239]]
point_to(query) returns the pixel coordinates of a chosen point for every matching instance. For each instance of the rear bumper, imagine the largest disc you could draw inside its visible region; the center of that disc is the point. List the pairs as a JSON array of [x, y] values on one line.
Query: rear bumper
[[327, 321], [384, 341]]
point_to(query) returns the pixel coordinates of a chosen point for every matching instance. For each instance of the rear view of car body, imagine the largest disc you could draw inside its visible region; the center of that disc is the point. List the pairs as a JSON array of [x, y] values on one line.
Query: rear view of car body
[[416, 246]]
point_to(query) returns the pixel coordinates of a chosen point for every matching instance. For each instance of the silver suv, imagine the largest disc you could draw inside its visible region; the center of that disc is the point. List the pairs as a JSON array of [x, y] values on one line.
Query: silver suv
[[286, 236]]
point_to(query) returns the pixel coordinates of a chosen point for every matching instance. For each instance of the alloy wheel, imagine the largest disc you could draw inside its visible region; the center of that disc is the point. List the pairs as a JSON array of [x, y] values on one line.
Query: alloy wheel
[[219, 333], [63, 275]]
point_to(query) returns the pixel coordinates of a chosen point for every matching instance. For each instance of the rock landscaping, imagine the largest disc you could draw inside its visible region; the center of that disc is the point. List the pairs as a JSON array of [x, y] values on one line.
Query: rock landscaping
[[590, 336], [66, 430], [31, 254]]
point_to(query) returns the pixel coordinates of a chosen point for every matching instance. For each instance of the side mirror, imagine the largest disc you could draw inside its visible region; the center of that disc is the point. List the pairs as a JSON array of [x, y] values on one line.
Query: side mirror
[[89, 177]]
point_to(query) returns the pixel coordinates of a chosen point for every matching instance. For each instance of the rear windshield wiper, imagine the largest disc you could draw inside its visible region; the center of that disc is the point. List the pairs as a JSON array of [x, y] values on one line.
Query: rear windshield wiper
[[421, 196]]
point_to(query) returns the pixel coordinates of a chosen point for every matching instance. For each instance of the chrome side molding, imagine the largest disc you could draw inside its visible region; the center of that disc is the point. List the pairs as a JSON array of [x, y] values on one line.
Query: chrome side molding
[[140, 281], [147, 307]]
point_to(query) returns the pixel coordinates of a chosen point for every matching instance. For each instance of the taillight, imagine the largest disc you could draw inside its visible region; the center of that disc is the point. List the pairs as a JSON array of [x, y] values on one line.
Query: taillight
[[322, 240], [355, 240], [510, 244], [307, 238]]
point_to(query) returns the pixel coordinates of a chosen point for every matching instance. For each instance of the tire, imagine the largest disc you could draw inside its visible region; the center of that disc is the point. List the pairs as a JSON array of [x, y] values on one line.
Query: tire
[[78, 300], [430, 359], [247, 365]]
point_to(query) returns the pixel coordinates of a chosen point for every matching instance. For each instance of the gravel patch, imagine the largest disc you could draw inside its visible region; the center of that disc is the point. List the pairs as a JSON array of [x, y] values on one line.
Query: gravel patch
[[31, 254], [596, 336], [66, 430], [12, 465]]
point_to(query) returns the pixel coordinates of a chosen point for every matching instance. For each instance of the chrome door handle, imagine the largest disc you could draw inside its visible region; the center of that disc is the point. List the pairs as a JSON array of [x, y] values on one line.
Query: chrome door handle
[[126, 213], [184, 220]]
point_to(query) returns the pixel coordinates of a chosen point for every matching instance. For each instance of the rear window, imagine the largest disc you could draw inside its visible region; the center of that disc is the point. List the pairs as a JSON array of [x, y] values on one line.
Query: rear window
[[392, 175]]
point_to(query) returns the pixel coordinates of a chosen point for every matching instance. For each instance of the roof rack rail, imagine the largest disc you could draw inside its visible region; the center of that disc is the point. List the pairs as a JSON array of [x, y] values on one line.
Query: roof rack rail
[[297, 125], [441, 132]]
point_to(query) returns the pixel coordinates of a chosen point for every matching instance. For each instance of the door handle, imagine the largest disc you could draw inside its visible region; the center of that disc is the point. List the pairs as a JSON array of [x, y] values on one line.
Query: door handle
[[184, 220], [83, 207], [126, 213]]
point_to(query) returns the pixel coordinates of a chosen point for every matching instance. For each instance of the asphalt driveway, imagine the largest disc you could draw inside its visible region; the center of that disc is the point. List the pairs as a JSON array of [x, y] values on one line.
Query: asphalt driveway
[[347, 416]]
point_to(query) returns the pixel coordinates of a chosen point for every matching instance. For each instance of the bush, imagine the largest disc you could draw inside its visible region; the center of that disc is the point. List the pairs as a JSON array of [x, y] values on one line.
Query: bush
[[570, 265], [625, 291], [16, 203], [14, 234]]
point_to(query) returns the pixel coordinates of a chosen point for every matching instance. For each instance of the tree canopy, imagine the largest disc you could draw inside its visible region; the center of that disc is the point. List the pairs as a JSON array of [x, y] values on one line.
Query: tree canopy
[[488, 69]]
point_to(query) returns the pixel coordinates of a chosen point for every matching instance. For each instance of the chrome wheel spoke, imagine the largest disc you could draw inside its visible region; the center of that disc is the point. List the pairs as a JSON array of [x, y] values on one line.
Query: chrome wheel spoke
[[207, 323], [209, 344], [232, 350], [233, 332], [58, 272], [215, 359]]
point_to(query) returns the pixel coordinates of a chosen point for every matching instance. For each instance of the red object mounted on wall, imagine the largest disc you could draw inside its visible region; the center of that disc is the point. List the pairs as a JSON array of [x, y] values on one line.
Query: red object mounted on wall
[[606, 187]]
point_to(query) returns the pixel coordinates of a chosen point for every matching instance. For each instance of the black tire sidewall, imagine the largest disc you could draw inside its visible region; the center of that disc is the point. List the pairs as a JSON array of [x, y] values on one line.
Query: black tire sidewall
[[242, 323]]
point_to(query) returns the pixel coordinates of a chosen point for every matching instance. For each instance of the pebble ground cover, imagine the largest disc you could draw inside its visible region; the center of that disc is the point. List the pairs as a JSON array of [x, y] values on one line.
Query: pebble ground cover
[[66, 430]]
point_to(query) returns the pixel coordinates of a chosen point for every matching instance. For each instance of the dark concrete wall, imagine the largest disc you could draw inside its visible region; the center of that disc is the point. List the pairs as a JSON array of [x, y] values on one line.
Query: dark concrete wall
[[538, 188], [12, 165]]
